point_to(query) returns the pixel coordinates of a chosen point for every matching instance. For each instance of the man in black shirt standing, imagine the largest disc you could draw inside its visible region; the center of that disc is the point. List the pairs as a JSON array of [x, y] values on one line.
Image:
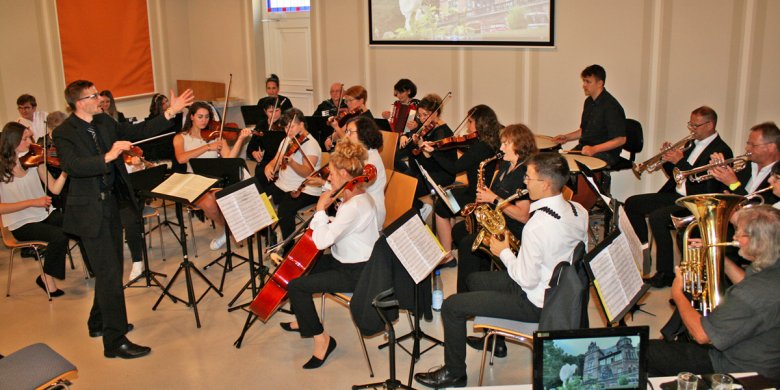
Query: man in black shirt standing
[[602, 128]]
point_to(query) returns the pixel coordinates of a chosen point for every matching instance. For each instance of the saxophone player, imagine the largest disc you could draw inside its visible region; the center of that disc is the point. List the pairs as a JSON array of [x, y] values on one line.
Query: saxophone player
[[763, 144], [659, 206], [742, 334]]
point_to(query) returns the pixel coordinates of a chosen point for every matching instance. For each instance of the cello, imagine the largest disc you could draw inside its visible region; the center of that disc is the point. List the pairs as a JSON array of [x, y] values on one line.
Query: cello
[[299, 261]]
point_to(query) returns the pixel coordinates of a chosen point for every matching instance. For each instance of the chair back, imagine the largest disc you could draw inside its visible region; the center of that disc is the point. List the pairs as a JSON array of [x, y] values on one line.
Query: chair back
[[565, 301], [635, 140], [399, 195], [389, 145]]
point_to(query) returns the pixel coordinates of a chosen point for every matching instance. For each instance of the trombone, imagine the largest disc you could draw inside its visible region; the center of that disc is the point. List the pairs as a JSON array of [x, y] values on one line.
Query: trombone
[[654, 163], [694, 175]]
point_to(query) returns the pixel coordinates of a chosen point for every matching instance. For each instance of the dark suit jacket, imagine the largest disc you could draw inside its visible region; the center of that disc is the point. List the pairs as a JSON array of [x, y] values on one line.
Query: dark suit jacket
[[744, 177], [707, 186], [80, 159]]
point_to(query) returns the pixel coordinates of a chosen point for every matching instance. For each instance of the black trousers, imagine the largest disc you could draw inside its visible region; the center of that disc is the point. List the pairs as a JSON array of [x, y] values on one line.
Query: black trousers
[[328, 276], [49, 230], [659, 209], [287, 206], [469, 262], [492, 294], [665, 358], [133, 226], [105, 254]]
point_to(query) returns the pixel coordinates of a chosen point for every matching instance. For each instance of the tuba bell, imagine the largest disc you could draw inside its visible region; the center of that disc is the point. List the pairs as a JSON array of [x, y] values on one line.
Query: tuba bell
[[702, 268]]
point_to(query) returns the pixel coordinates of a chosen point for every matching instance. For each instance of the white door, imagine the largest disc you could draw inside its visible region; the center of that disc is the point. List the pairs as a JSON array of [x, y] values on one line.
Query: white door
[[287, 41]]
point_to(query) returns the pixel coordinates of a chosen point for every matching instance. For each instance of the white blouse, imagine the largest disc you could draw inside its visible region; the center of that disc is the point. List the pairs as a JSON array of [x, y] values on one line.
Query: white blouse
[[351, 234], [20, 189]]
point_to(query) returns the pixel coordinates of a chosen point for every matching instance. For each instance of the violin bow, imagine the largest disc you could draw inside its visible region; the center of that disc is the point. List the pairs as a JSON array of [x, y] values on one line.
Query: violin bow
[[225, 109], [457, 129], [271, 120], [436, 110], [279, 156], [45, 162]]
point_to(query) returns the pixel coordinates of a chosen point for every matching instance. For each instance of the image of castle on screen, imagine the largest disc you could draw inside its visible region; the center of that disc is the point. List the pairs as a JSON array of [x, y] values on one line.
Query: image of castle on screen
[[591, 363]]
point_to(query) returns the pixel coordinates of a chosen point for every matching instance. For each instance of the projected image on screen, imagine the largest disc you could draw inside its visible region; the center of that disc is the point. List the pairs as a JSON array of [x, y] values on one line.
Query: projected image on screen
[[470, 22], [591, 363]]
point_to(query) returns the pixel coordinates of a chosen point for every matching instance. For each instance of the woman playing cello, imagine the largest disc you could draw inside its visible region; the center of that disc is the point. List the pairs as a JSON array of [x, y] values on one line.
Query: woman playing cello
[[350, 236]]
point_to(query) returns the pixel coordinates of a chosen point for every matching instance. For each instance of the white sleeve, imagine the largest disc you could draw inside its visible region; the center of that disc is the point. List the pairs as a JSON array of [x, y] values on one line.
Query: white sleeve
[[326, 234], [524, 270]]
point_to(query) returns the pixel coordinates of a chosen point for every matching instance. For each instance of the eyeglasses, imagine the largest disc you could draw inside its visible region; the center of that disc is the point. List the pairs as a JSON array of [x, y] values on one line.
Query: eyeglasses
[[348, 132], [529, 178], [93, 96], [695, 126], [754, 145]]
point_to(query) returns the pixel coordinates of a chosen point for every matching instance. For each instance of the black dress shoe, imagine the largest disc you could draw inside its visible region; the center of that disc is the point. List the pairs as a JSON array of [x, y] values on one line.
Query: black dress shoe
[[441, 378], [53, 294], [316, 362], [660, 280], [478, 342], [128, 350], [287, 327], [99, 332]]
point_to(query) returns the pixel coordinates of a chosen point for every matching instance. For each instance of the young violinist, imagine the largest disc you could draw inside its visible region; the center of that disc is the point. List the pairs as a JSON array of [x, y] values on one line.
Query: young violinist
[[483, 121], [351, 236], [26, 209], [262, 148], [356, 98], [190, 144], [403, 117], [272, 91], [298, 156], [433, 129], [108, 105]]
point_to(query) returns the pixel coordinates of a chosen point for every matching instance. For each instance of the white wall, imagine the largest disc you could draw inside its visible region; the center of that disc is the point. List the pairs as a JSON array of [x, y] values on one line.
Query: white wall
[[663, 59]]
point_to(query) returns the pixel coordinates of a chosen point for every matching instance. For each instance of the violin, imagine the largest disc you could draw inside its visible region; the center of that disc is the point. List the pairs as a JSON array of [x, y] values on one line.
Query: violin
[[35, 157], [322, 173], [293, 147], [135, 151], [299, 261], [345, 115], [451, 142], [229, 132]]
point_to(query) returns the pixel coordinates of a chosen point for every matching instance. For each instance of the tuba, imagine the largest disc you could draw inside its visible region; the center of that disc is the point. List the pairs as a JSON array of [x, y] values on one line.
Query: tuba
[[702, 268], [493, 224], [468, 210], [654, 163]]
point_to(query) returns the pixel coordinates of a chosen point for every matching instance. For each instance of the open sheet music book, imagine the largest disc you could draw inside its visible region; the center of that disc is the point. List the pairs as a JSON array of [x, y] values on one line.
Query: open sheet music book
[[183, 186], [615, 275], [634, 244], [415, 245], [445, 195], [245, 209]]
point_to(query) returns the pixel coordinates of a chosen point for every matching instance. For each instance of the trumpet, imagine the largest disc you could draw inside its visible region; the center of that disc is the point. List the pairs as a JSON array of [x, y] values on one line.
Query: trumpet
[[654, 163], [694, 175]]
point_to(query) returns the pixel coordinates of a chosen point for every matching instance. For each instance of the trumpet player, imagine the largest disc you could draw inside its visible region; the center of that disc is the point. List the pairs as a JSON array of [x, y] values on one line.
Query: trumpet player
[[659, 206], [774, 180], [763, 144], [742, 334]]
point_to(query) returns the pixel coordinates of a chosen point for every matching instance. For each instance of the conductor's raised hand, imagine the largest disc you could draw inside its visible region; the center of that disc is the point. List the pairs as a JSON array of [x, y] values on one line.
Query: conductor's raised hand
[[178, 103]]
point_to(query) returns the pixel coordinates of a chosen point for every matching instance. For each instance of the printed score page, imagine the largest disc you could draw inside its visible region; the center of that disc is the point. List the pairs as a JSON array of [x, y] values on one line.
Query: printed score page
[[185, 186], [246, 211], [417, 248], [616, 276]]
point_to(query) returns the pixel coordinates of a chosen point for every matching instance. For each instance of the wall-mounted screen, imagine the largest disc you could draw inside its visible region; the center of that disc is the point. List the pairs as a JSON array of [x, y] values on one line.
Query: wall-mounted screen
[[462, 22]]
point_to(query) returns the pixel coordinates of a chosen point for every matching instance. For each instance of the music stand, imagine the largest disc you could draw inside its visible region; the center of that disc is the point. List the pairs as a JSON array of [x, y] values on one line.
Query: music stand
[[383, 124], [142, 183], [252, 114], [185, 265], [227, 170]]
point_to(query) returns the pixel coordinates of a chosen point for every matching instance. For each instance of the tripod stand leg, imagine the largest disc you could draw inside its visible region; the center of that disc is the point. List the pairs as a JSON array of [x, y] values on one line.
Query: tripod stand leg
[[250, 320]]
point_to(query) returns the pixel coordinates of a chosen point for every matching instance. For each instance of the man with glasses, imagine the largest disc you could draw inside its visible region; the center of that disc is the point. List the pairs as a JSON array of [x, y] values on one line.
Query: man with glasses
[[30, 116], [90, 144], [554, 229], [660, 206], [763, 144]]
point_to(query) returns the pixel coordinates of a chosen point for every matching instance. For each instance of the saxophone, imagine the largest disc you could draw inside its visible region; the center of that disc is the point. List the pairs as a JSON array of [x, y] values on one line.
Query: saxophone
[[493, 225], [468, 210]]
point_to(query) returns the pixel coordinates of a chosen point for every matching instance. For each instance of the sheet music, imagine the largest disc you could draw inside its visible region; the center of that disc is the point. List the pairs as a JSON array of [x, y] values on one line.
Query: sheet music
[[185, 186], [445, 196], [617, 278], [633, 241], [246, 211], [416, 247]]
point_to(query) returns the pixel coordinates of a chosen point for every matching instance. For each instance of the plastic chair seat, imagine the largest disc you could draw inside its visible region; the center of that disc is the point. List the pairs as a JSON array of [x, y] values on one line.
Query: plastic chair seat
[[36, 367]]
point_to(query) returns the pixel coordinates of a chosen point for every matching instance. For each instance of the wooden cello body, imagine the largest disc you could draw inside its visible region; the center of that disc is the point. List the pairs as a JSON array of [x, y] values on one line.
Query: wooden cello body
[[298, 262]]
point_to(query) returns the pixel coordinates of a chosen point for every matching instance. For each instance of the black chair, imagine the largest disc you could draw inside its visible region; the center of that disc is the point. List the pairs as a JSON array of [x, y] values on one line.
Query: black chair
[[635, 142]]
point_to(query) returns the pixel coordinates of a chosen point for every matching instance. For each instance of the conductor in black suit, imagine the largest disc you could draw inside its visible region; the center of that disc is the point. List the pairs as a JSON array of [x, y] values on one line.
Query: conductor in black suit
[[89, 144], [661, 205]]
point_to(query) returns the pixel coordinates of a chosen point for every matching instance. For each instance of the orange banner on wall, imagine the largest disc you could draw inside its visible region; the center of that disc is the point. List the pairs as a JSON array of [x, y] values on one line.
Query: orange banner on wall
[[107, 42]]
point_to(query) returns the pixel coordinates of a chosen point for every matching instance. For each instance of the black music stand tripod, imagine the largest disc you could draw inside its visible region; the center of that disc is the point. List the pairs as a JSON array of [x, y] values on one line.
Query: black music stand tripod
[[185, 266], [227, 170], [143, 182]]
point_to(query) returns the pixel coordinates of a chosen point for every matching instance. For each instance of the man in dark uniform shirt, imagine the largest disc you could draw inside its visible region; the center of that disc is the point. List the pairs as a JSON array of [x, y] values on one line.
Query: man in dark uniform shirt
[[328, 106], [602, 129]]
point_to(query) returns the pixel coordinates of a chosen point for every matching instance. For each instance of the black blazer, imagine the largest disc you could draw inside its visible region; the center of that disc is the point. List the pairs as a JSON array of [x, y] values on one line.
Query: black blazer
[[85, 167], [744, 177], [707, 186]]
